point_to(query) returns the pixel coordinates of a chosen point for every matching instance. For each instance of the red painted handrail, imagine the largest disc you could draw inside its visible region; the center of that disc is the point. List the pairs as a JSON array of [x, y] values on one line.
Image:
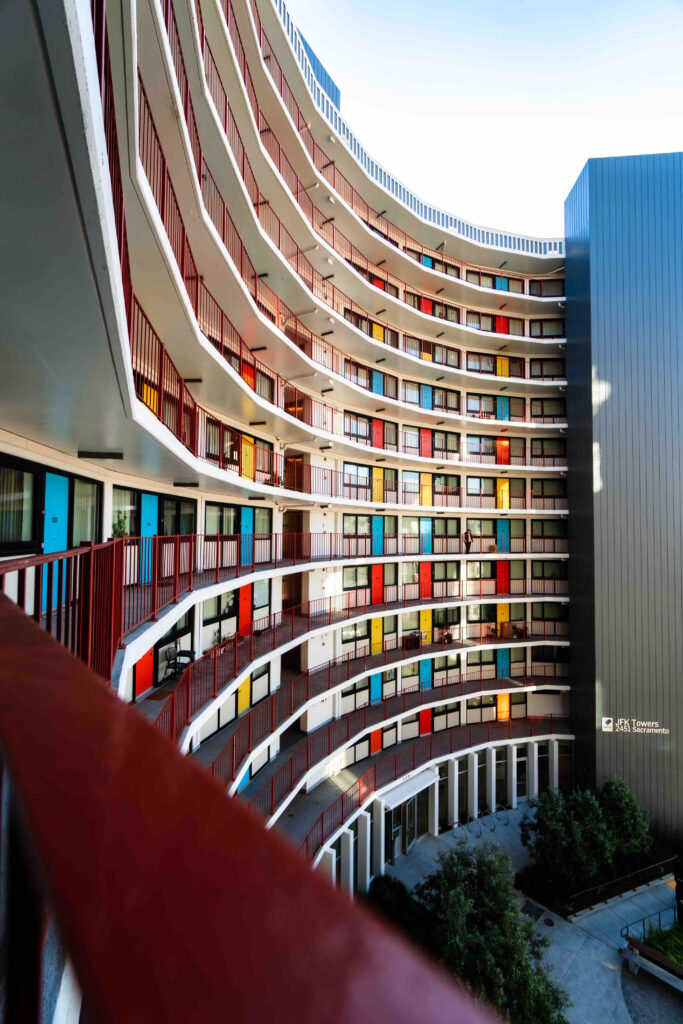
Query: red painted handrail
[[320, 159], [426, 748], [202, 680], [90, 849], [264, 718]]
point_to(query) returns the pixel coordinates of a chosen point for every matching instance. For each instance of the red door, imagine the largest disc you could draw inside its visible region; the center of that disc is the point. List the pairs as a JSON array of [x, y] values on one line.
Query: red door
[[245, 606], [425, 443], [378, 433], [502, 577], [425, 722], [425, 579], [249, 374], [501, 325], [503, 451], [144, 673], [378, 282], [377, 584], [375, 741], [426, 306]]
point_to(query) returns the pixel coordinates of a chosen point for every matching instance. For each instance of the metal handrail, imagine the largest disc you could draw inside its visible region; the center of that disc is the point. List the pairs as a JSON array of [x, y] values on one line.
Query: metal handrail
[[616, 886], [627, 929]]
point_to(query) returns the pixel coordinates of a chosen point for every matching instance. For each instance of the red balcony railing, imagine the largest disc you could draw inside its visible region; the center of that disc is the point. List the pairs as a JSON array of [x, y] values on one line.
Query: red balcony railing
[[264, 718], [88, 849], [203, 679], [390, 767], [327, 166], [91, 597], [325, 741], [323, 225]]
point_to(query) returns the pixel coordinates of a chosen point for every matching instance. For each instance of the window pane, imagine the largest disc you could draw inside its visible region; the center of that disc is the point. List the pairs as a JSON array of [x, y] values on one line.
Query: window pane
[[16, 505], [85, 512]]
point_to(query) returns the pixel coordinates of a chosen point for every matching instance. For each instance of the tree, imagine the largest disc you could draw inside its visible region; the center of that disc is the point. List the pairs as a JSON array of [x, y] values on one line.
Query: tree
[[585, 837], [468, 918], [627, 821]]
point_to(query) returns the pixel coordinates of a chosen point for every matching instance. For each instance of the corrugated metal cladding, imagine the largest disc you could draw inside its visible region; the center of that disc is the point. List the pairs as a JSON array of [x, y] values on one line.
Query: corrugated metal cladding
[[624, 228]]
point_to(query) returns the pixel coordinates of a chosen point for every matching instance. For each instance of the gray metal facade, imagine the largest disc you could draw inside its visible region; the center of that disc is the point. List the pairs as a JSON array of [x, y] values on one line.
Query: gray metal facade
[[624, 239]]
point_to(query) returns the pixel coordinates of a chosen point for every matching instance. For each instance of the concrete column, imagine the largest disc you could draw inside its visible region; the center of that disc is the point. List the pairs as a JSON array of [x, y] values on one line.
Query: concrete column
[[378, 838], [512, 776], [554, 764], [197, 630], [452, 792], [346, 880], [434, 809], [472, 786], [327, 865], [107, 507], [491, 778], [532, 769], [363, 851]]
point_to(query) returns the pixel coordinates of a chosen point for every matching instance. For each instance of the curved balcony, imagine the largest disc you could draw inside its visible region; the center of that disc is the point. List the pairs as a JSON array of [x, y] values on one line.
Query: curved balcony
[[319, 284], [267, 301], [163, 391], [206, 678], [433, 221], [100, 594], [314, 749], [280, 709], [433, 748], [521, 295]]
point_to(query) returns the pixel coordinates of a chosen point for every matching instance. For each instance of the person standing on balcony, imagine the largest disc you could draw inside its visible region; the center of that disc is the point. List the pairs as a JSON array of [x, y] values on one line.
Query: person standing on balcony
[[467, 540]]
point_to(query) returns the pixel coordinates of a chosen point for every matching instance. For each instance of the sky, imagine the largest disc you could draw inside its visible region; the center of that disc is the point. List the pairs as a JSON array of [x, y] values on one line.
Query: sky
[[490, 108]]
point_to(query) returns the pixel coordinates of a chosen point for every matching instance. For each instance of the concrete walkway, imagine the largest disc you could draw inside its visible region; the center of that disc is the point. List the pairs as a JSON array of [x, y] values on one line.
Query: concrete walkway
[[583, 953]]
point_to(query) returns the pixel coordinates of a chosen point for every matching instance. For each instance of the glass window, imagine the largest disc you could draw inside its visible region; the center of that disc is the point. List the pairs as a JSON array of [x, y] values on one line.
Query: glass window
[[17, 498], [125, 510], [86, 512], [261, 593]]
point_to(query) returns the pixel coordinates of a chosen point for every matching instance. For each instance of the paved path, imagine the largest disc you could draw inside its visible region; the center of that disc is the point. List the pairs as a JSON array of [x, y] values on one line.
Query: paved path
[[583, 953]]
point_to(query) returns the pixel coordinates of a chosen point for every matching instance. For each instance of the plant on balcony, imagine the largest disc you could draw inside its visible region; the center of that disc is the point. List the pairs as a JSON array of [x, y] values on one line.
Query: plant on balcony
[[118, 527], [465, 914]]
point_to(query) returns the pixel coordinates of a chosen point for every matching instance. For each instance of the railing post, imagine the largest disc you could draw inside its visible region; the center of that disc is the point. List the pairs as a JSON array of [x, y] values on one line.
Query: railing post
[[155, 578]]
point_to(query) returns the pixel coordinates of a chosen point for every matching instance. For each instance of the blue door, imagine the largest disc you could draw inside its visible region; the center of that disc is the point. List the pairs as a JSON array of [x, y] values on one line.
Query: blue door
[[503, 535], [377, 382], [426, 674], [502, 284], [375, 687], [426, 396], [503, 663], [378, 535], [247, 531], [425, 536], [55, 525], [426, 261], [149, 527], [502, 408]]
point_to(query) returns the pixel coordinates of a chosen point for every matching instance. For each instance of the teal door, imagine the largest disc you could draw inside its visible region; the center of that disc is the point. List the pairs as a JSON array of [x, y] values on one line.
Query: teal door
[[149, 527], [55, 525]]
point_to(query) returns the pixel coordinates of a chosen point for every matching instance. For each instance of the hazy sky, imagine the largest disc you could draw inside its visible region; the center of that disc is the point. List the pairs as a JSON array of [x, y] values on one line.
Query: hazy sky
[[489, 108]]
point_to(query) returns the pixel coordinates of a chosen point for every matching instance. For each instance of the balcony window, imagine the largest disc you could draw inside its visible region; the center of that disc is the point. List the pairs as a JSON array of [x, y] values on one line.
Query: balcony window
[[125, 509], [17, 508]]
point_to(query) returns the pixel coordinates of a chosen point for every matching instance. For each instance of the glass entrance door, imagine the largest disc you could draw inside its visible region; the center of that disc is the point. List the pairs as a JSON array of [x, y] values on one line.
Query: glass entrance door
[[410, 836]]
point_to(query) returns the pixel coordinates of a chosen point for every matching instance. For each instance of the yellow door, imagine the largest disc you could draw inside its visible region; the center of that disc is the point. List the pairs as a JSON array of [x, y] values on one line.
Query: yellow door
[[150, 397], [376, 635], [377, 483], [248, 456], [378, 332], [243, 695], [426, 624], [502, 366], [503, 709], [426, 489], [503, 616], [502, 493]]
